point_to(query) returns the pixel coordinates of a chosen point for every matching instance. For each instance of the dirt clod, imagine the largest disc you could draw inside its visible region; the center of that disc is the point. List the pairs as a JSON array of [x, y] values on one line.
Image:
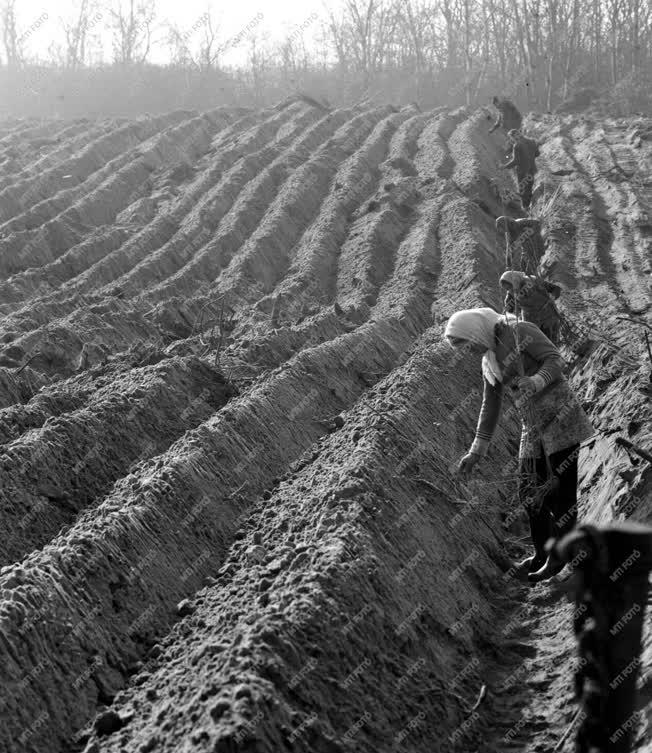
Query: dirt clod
[[185, 608]]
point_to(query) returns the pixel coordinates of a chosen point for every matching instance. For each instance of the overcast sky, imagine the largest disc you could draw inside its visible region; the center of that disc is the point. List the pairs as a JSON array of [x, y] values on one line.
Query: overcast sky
[[39, 21]]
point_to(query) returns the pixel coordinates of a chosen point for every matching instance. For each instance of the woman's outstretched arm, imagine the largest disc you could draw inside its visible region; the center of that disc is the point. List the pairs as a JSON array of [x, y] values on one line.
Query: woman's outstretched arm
[[492, 401]]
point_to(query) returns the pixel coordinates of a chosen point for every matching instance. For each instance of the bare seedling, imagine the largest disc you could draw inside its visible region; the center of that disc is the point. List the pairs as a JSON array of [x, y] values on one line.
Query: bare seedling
[[221, 324]]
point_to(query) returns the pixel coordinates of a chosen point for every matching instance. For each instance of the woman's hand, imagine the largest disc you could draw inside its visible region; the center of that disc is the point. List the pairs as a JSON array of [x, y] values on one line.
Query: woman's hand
[[527, 386], [467, 463]]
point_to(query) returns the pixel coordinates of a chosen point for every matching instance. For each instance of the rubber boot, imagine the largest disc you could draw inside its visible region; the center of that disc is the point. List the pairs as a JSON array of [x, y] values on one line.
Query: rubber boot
[[550, 568], [529, 564], [542, 528]]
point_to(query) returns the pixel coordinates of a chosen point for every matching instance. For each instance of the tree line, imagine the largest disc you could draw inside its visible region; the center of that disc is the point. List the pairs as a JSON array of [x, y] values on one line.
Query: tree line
[[541, 53]]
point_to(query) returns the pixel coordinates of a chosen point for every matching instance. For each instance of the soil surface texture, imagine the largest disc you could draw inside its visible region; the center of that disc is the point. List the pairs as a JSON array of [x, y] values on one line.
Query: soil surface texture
[[229, 428]]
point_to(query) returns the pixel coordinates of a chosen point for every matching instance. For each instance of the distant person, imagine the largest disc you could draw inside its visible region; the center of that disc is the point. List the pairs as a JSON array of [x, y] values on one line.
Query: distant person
[[577, 101], [533, 298], [508, 116], [524, 154], [524, 242], [553, 422]]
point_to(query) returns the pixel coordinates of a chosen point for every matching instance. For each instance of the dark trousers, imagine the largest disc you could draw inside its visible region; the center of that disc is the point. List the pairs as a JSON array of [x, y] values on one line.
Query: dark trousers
[[525, 185], [551, 504]]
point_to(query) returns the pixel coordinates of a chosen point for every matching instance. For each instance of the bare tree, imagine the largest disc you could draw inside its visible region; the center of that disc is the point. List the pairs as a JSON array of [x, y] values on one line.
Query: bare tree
[[209, 50], [10, 37], [337, 32], [615, 8], [415, 20], [259, 61], [76, 30], [131, 24], [571, 47], [197, 46], [536, 51]]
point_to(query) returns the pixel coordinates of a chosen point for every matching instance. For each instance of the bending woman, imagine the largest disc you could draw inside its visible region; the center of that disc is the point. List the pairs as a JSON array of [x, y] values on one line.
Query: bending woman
[[554, 423]]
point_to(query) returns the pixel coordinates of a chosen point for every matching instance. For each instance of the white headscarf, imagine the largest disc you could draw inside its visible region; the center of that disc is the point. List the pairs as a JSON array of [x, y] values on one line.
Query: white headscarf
[[477, 325]]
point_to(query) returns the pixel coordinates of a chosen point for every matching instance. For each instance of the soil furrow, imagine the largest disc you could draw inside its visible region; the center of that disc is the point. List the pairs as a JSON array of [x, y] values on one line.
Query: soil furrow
[[433, 160], [249, 211], [308, 283], [145, 241], [617, 210], [216, 552], [104, 201], [51, 473], [158, 523], [317, 560], [94, 157], [203, 225], [265, 259]]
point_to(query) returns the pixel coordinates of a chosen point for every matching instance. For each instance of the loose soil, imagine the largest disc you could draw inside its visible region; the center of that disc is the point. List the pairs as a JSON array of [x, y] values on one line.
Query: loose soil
[[239, 529]]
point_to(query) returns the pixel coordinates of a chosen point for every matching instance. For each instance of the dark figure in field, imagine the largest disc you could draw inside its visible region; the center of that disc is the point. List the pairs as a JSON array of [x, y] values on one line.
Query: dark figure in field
[[533, 299], [508, 116], [518, 357], [524, 154], [577, 101], [524, 242], [612, 566]]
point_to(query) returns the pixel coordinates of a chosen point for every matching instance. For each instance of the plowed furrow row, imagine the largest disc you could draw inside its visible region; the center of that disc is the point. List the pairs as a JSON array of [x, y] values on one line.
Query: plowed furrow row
[[404, 146], [56, 206], [477, 172], [16, 387], [433, 160], [203, 224], [572, 233], [594, 229], [112, 324], [24, 286], [366, 258], [54, 400], [19, 162], [621, 255], [31, 128], [264, 260], [407, 294], [349, 546], [157, 534], [247, 212], [68, 395], [197, 196], [20, 197], [104, 202], [68, 142], [265, 346], [50, 474], [10, 127], [309, 281], [131, 328], [146, 240]]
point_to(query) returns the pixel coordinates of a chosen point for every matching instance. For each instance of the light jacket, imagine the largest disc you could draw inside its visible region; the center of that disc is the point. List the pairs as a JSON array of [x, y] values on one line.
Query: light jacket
[[552, 418]]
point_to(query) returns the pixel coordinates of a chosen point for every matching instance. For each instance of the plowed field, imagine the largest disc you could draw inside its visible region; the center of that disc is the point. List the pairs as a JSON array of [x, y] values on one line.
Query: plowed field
[[228, 425]]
